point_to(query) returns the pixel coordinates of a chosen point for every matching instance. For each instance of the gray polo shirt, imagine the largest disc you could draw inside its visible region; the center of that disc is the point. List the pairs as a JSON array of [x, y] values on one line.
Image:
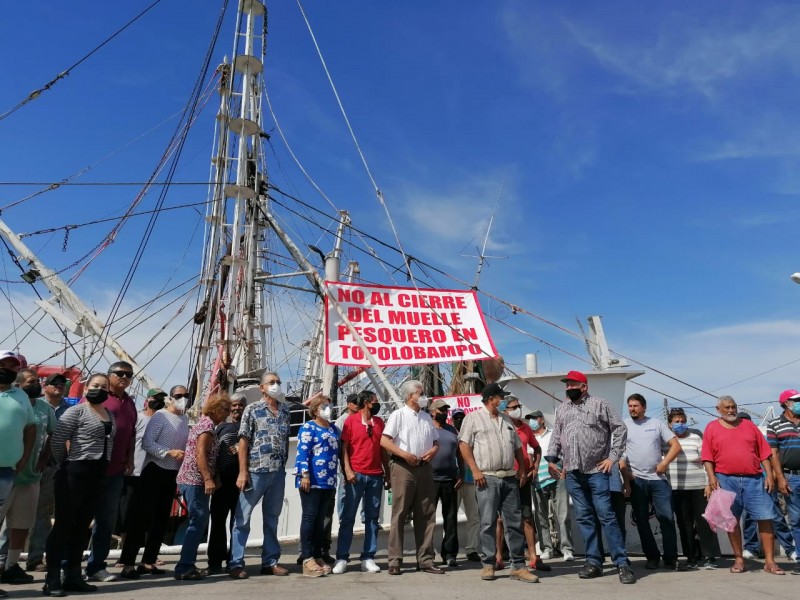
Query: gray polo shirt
[[493, 440]]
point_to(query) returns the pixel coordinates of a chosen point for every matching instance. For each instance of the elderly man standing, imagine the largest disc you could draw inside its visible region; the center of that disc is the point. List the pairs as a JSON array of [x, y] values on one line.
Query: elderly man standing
[[263, 451], [490, 445], [735, 455], [646, 437], [412, 441], [783, 436], [590, 437]]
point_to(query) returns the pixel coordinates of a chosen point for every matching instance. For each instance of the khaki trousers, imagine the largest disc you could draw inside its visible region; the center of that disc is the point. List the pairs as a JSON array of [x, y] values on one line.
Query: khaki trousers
[[412, 489]]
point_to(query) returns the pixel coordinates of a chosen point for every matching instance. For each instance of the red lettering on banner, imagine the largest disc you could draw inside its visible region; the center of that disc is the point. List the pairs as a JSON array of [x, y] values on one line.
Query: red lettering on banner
[[397, 317], [363, 315], [343, 331], [463, 402], [464, 335], [347, 295], [380, 299]]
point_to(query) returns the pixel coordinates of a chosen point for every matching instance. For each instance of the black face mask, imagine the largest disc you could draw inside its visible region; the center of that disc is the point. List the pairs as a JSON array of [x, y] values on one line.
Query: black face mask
[[156, 404], [441, 418], [457, 421], [7, 376], [574, 394], [375, 409], [33, 390], [96, 396]]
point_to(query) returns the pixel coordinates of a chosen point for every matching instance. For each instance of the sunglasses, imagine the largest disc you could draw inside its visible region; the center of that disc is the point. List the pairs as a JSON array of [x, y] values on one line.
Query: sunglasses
[[179, 396], [123, 374]]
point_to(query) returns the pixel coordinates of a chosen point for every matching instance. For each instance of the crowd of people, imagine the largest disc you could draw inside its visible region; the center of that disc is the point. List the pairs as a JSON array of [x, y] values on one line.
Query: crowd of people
[[65, 471]]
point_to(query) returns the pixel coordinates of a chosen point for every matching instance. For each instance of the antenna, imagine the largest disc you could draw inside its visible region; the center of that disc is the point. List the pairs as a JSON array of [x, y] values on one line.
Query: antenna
[[482, 256]]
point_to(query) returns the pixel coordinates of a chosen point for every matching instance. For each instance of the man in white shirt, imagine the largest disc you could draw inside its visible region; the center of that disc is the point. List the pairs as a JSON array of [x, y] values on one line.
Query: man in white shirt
[[412, 440]]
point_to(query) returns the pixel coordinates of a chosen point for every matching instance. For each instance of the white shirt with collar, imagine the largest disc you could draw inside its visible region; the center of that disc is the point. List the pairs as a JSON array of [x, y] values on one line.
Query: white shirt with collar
[[411, 431]]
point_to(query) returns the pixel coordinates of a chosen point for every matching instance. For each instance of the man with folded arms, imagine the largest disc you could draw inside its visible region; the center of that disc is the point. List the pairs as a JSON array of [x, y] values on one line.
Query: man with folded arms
[[490, 444]]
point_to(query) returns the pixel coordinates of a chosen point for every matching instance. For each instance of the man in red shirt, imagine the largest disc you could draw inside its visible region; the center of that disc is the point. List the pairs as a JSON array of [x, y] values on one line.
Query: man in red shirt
[[366, 467], [533, 454], [735, 454]]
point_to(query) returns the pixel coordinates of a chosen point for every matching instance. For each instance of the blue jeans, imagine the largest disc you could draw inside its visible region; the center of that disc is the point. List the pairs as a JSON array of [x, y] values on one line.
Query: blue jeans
[[659, 492], [500, 496], [591, 495], [267, 487], [368, 488], [314, 503], [104, 521], [750, 496], [198, 503], [793, 507]]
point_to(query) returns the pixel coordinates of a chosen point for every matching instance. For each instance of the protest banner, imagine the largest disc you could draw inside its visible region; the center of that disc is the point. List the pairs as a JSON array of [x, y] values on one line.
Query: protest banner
[[403, 326], [466, 402]]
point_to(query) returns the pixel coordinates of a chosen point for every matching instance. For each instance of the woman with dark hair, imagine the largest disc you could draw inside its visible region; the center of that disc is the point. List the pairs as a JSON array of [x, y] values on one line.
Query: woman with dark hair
[[688, 480], [316, 467], [196, 481], [81, 445]]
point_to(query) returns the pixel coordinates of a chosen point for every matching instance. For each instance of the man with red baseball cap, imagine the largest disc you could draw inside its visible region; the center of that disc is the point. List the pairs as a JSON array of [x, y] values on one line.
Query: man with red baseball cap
[[589, 437], [783, 437]]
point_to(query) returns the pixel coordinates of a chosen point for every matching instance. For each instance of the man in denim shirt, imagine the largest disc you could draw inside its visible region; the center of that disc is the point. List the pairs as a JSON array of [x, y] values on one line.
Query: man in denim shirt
[[263, 450]]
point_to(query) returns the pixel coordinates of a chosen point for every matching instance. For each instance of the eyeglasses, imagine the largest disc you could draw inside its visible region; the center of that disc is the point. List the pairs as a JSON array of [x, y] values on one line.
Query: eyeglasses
[[179, 396], [123, 374], [278, 381]]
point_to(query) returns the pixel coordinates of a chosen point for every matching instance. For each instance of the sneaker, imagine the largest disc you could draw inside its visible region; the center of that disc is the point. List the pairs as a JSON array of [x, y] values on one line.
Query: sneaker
[[451, 562], [690, 565], [748, 555], [546, 554], [590, 571], [101, 575], [340, 567], [487, 573], [14, 575], [793, 556], [796, 571], [626, 574], [523, 575], [568, 555], [652, 564], [710, 564], [370, 566]]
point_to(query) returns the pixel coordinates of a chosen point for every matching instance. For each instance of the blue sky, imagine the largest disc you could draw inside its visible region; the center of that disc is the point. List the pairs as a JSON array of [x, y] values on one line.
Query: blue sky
[[645, 157]]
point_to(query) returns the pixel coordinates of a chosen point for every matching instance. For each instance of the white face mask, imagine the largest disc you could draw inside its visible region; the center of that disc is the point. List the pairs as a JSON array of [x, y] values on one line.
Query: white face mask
[[179, 404], [423, 402], [274, 391], [325, 412], [515, 414]]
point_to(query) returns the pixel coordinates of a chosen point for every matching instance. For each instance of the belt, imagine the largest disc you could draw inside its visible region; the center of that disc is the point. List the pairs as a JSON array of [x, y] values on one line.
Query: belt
[[791, 471], [501, 474]]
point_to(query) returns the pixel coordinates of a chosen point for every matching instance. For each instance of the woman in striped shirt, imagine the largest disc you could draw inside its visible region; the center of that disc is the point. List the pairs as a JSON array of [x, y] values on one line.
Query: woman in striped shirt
[[81, 446], [688, 479]]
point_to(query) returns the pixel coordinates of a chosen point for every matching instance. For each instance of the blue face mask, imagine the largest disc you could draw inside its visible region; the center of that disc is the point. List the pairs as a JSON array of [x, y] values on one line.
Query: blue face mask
[[796, 409], [534, 423], [679, 428], [503, 405]]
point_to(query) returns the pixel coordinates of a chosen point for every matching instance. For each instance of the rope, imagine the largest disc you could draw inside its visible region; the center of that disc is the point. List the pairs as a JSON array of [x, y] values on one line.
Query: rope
[[36, 93]]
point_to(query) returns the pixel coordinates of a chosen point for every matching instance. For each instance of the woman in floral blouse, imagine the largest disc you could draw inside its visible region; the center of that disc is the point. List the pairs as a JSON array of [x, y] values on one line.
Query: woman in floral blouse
[[196, 481], [316, 468]]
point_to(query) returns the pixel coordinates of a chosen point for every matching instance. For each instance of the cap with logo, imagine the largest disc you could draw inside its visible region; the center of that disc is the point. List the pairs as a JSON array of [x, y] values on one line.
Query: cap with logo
[[789, 395]]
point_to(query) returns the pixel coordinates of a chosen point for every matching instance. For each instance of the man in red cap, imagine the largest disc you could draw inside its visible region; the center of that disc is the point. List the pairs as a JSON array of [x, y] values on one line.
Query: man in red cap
[[783, 436], [589, 436]]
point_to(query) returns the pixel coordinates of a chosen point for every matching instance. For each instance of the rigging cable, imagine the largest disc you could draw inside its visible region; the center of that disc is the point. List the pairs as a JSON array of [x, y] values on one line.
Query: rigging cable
[[36, 93]]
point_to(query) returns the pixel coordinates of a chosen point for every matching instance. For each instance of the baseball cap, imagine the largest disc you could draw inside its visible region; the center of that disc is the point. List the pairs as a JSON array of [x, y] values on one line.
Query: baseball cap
[[55, 379], [9, 354], [744, 415], [439, 404], [789, 395], [457, 411], [155, 392], [493, 389], [534, 414], [575, 376]]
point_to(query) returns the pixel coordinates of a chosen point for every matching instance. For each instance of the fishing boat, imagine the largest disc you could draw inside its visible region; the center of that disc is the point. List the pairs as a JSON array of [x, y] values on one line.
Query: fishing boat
[[258, 301]]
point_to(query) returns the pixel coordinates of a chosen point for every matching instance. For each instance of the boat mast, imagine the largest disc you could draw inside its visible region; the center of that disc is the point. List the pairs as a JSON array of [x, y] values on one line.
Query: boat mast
[[81, 319]]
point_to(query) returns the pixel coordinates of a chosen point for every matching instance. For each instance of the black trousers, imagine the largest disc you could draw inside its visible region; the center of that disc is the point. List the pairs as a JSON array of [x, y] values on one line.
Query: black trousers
[[77, 489], [223, 511], [448, 497], [697, 540], [148, 514]]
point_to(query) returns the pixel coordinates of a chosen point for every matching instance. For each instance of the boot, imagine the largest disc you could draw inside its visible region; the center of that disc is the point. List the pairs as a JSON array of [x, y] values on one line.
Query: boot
[[73, 581]]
